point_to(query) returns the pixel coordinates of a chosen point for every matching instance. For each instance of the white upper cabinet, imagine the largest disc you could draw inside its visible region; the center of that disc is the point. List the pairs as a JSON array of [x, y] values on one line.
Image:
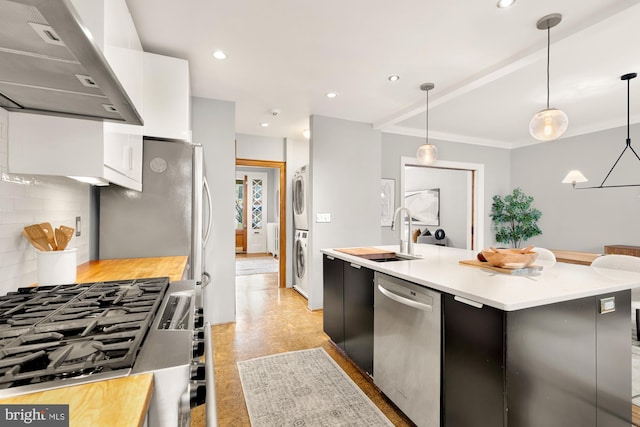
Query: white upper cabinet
[[108, 151], [49, 145], [167, 97]]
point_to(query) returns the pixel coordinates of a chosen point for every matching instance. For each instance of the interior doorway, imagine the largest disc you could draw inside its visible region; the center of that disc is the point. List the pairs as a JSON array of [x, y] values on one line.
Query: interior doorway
[[254, 215], [252, 204], [470, 208]]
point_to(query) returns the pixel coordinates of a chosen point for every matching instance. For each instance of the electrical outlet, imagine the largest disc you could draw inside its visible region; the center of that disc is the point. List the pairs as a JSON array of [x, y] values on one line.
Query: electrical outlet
[[78, 226], [607, 305], [323, 217]]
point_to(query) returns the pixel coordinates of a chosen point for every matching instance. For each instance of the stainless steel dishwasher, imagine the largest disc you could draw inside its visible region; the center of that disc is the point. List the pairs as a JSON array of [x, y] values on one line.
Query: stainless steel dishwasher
[[406, 347]]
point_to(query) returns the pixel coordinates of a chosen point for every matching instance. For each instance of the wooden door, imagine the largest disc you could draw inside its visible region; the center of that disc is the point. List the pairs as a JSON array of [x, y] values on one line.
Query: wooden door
[[256, 211], [241, 214]]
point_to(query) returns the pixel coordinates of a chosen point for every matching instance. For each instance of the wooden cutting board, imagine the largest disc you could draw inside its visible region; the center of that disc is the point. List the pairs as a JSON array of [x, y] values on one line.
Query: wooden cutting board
[[513, 271], [367, 252]]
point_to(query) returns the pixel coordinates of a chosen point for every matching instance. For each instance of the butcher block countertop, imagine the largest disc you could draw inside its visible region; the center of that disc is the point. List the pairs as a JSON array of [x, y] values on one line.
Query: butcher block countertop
[[121, 402], [132, 268], [117, 402]]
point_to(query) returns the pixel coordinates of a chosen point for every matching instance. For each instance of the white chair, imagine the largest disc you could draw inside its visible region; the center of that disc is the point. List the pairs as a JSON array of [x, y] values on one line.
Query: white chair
[[627, 263], [545, 258]]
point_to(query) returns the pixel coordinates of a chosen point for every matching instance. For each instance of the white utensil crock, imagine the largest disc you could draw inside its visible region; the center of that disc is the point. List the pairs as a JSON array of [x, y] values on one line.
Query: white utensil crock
[[57, 267]]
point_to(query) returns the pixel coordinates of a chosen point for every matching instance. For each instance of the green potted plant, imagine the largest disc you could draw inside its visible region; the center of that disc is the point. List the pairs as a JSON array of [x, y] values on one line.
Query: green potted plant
[[514, 219]]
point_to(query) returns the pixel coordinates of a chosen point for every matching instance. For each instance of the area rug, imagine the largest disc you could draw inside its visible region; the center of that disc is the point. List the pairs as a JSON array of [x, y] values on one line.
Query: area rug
[[304, 388], [260, 265]]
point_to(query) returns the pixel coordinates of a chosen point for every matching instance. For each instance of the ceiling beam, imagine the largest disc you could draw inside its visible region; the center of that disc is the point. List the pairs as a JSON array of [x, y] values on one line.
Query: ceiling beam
[[501, 69]]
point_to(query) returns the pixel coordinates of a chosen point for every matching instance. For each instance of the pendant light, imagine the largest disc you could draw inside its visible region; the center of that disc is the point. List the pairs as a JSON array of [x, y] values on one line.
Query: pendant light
[[427, 153], [575, 176], [549, 123]]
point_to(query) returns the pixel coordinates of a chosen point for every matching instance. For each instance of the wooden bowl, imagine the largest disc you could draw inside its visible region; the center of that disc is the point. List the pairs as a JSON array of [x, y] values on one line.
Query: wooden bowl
[[510, 258]]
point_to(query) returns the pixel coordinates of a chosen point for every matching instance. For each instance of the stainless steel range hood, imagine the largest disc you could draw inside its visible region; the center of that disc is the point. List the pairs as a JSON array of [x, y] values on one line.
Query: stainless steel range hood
[[50, 64]]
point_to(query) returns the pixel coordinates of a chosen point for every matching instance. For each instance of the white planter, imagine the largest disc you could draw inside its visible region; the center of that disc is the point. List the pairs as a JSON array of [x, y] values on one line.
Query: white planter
[[57, 267]]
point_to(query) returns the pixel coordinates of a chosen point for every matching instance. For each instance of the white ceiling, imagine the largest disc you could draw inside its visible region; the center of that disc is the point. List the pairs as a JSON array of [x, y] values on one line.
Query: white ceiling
[[488, 64]]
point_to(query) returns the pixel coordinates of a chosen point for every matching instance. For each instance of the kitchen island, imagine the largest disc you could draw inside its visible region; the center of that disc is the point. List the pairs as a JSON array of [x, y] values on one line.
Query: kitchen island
[[545, 349], [120, 401]]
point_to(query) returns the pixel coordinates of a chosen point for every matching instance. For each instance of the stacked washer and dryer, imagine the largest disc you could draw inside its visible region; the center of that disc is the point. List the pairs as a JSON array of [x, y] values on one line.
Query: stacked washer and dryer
[[301, 224]]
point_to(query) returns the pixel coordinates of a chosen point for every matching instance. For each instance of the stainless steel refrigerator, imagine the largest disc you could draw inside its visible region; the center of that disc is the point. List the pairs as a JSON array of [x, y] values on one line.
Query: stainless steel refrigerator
[[172, 214]]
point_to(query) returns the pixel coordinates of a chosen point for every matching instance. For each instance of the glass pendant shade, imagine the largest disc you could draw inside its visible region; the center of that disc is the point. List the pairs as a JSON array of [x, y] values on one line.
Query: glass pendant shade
[[427, 153], [548, 124], [574, 177]]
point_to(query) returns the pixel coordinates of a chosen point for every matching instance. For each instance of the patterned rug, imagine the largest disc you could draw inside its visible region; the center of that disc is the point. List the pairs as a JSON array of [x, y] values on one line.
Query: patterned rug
[[304, 388], [258, 265]]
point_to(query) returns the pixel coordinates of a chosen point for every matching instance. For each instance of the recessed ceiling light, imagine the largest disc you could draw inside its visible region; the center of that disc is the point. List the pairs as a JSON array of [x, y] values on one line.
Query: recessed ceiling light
[[393, 78], [264, 124], [505, 3], [331, 95], [218, 54]]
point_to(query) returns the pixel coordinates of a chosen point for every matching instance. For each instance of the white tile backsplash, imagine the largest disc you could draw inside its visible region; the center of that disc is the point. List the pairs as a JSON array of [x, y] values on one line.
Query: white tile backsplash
[[33, 199]]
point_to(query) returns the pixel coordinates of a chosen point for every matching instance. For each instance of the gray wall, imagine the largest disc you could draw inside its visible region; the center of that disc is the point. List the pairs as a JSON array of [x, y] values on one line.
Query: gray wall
[[345, 182], [582, 220], [213, 123], [497, 170], [260, 148]]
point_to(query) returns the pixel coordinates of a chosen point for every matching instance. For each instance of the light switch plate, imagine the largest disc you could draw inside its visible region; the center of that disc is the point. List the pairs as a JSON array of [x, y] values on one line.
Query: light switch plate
[[78, 226], [323, 217], [607, 305]]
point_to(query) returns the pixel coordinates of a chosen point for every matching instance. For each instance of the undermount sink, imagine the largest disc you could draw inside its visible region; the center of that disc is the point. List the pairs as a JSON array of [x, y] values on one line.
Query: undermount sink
[[377, 254], [394, 257], [388, 259]]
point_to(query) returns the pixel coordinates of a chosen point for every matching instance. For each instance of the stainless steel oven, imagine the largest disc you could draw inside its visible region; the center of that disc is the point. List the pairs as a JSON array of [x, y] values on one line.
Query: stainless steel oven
[[57, 336], [172, 351]]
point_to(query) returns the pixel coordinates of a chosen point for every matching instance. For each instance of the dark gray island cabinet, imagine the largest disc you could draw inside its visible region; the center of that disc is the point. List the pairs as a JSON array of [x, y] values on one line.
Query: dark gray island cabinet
[[553, 363], [348, 309], [562, 364]]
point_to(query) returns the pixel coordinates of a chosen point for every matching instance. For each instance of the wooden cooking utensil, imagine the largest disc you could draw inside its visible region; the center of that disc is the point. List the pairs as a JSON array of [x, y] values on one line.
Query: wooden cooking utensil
[[36, 234], [68, 231], [35, 244], [48, 230], [62, 239]]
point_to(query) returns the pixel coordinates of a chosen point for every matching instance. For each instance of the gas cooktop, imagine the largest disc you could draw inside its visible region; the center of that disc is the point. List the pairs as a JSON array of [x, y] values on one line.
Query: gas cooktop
[[49, 333]]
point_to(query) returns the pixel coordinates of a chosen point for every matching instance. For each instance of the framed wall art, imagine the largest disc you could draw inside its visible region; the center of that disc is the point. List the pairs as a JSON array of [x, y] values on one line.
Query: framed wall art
[[387, 201], [424, 206]]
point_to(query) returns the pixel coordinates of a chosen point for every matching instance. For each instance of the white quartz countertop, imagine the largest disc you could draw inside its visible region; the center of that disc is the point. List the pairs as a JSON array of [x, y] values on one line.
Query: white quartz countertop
[[439, 269]]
